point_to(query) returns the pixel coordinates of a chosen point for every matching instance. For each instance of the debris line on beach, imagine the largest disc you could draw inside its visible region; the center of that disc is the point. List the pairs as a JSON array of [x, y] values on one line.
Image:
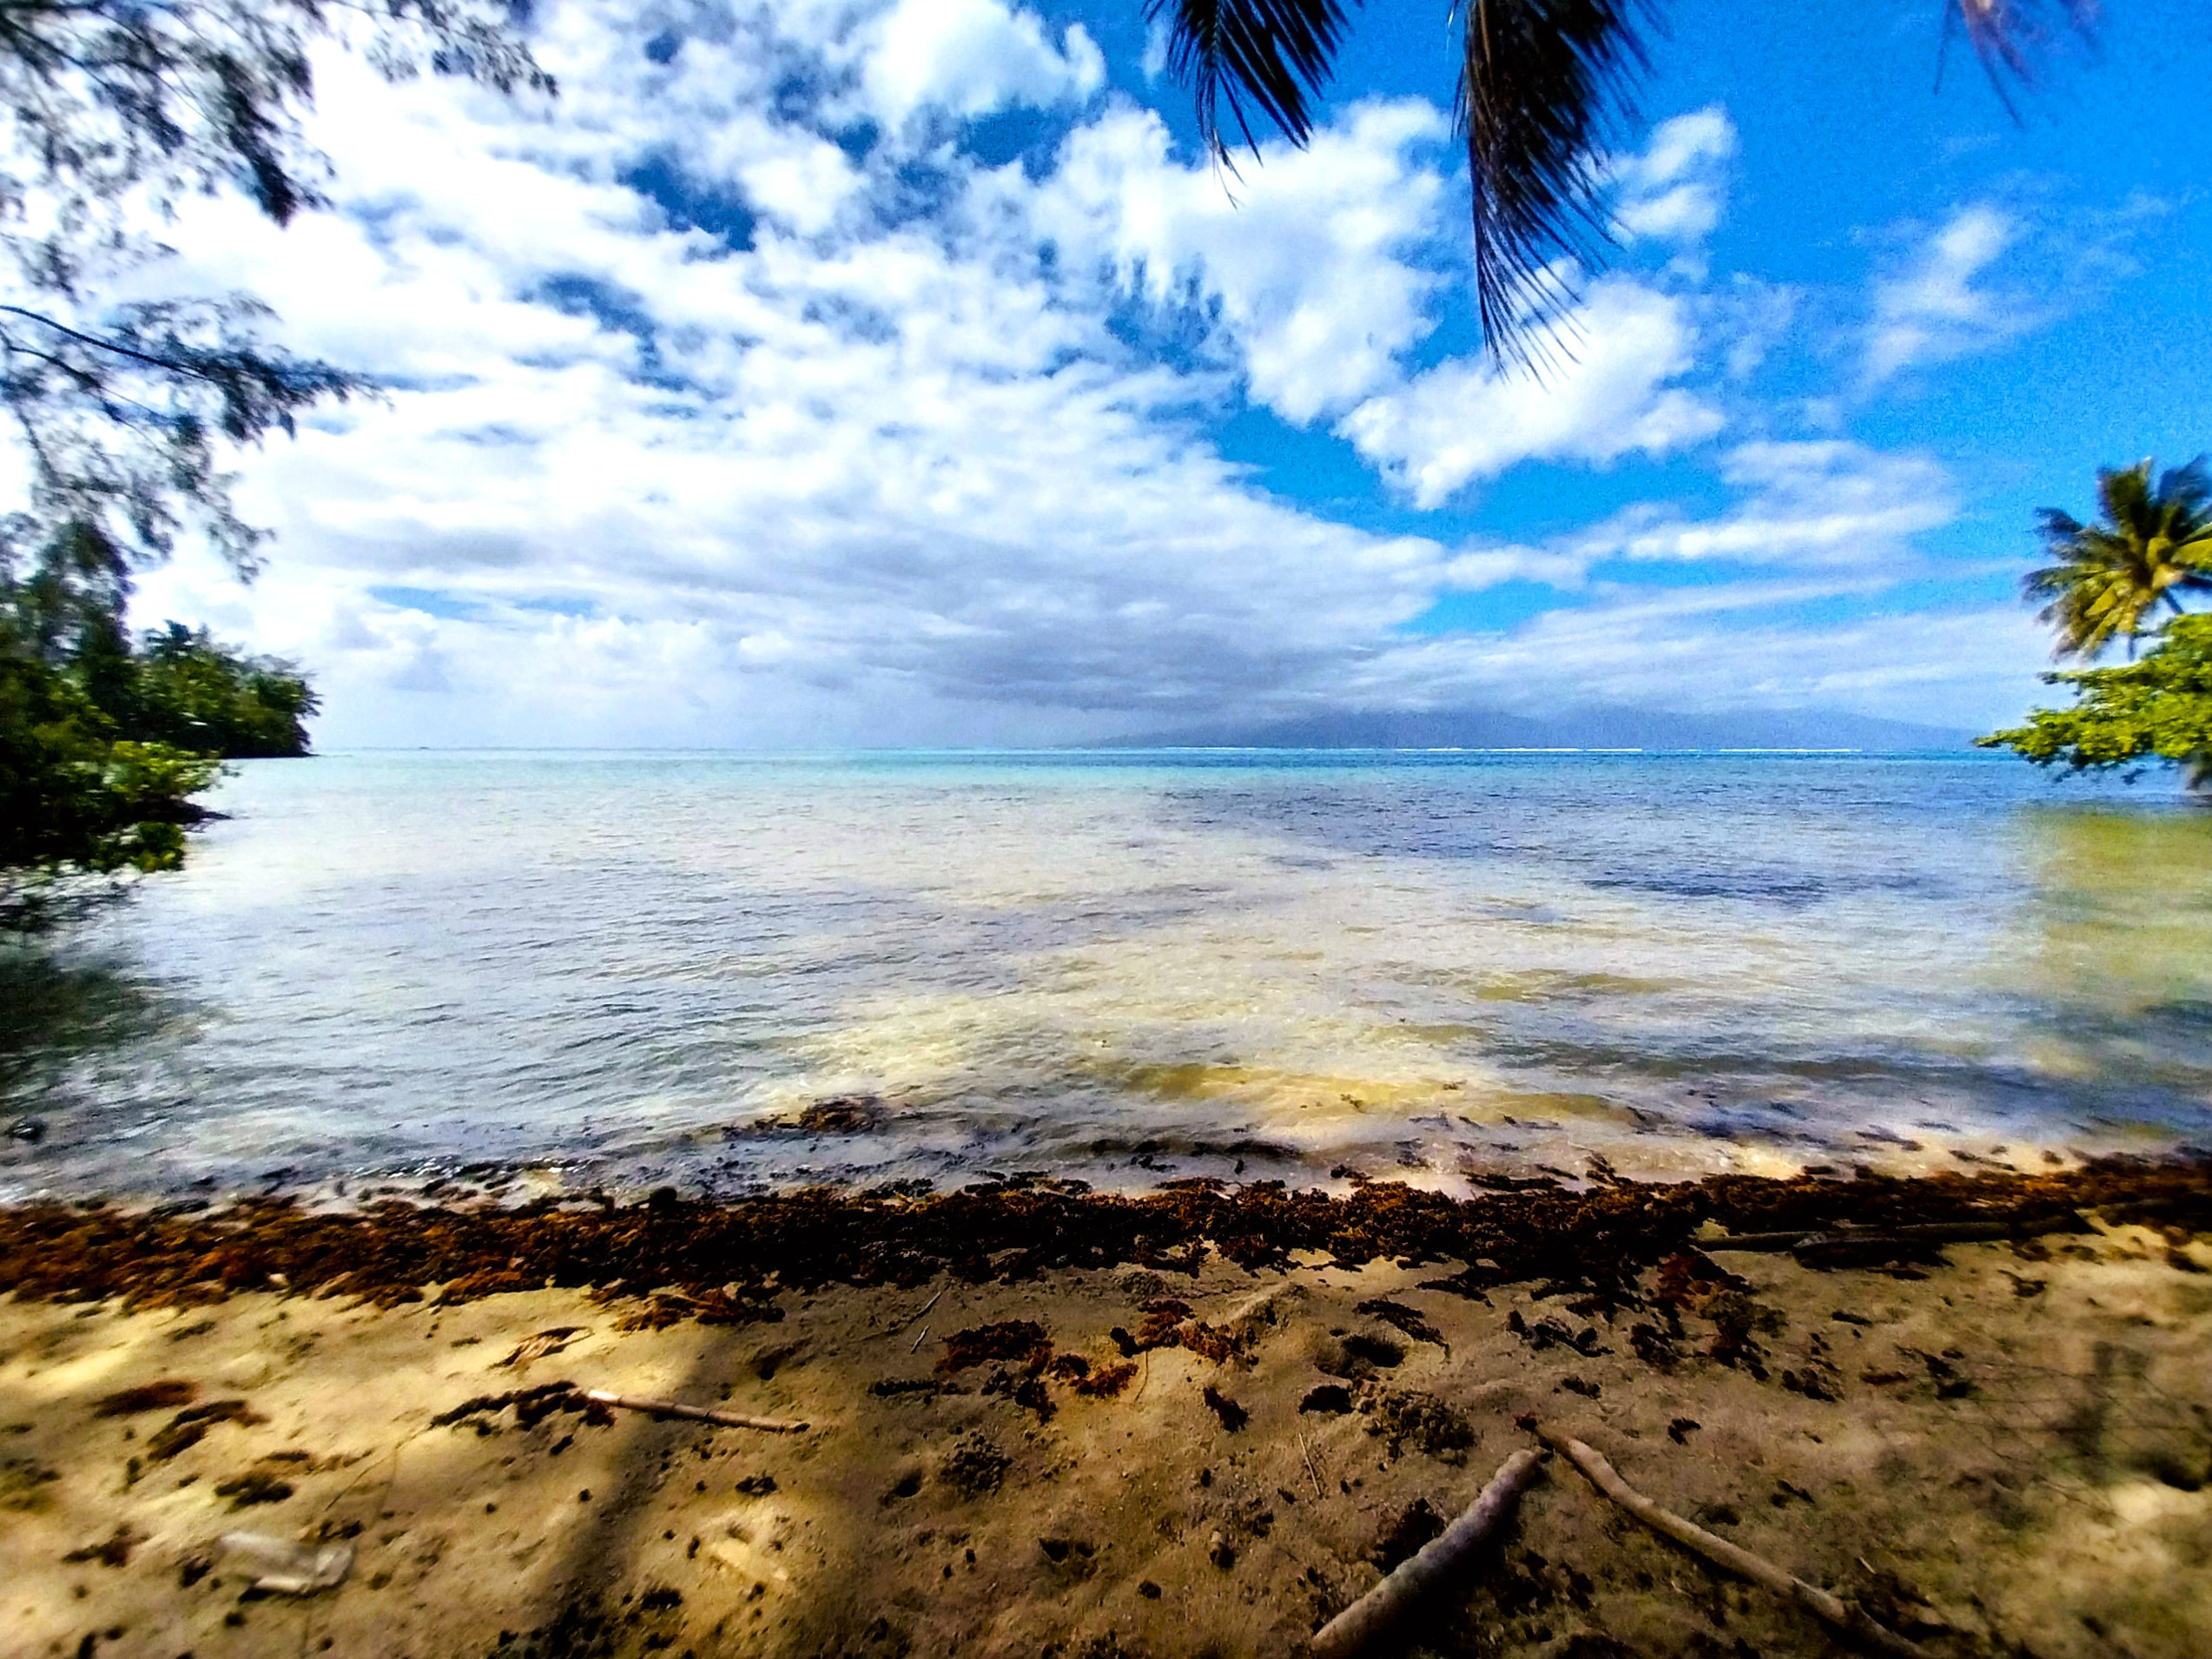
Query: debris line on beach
[[674, 1257]]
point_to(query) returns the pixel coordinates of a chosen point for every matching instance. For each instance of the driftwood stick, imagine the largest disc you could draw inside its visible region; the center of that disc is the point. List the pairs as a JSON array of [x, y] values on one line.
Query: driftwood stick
[[1841, 1615], [1917, 1232], [697, 1413], [1373, 1614]]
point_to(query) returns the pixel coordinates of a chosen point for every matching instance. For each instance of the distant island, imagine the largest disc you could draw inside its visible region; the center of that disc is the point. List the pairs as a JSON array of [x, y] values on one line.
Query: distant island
[[1594, 728]]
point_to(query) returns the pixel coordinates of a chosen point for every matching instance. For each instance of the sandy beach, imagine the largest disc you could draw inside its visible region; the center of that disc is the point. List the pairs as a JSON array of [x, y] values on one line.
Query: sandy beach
[[1995, 1446]]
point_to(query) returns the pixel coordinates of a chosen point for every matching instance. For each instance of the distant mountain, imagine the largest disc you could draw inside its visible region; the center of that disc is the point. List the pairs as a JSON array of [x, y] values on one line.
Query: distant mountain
[[1577, 729]]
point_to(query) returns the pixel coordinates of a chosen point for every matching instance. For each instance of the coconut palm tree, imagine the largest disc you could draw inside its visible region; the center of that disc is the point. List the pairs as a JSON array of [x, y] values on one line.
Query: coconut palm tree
[[2151, 543], [1544, 84]]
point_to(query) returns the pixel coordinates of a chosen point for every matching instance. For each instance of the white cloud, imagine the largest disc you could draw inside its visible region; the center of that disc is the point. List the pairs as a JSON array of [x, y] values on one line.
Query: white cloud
[[1154, 63], [1480, 567], [1673, 190], [887, 480], [1823, 504], [1832, 526], [792, 176], [1707, 650], [1464, 420], [970, 57], [1304, 263], [895, 468], [1932, 311]]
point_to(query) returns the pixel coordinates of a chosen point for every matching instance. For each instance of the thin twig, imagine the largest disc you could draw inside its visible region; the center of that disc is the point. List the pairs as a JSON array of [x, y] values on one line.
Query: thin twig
[[919, 1340], [1849, 1620], [1308, 1455], [698, 1413], [920, 1312]]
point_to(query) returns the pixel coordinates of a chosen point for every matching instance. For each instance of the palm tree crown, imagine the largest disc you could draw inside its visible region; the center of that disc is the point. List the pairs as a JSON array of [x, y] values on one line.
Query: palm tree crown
[[2151, 543], [1542, 86]]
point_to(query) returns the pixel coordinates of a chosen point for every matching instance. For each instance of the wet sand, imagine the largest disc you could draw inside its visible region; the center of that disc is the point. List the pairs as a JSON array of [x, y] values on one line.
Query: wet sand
[[1999, 1446]]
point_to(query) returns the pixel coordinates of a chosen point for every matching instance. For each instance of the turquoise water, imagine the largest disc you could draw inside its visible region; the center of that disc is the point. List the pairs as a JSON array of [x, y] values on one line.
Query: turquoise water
[[555, 970]]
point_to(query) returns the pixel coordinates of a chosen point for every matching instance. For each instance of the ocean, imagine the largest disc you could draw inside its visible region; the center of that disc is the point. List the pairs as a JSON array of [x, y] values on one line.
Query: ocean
[[537, 973]]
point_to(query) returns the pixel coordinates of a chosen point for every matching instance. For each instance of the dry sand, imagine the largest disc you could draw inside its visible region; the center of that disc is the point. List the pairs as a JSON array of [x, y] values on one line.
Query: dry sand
[[2014, 1461]]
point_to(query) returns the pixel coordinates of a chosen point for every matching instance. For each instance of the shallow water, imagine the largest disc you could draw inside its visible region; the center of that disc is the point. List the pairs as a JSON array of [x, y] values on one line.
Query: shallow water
[[628, 968]]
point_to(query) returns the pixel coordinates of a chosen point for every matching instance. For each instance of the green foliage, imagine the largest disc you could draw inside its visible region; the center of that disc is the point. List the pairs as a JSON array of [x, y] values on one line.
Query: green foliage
[[102, 746], [121, 411], [187, 691], [2157, 708], [2151, 543], [75, 800]]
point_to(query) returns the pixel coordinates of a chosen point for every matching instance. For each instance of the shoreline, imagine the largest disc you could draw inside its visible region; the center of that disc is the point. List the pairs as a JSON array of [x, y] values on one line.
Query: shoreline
[[1046, 1422]]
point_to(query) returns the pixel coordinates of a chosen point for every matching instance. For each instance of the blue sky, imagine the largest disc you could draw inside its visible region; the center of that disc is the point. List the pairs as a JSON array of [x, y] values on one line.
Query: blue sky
[[848, 372]]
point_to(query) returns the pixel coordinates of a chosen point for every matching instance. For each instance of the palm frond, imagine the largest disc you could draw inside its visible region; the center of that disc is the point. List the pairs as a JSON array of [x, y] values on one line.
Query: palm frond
[[1544, 87], [1271, 54], [2124, 494], [2187, 491], [1544, 84], [2152, 543], [2057, 527], [2009, 35]]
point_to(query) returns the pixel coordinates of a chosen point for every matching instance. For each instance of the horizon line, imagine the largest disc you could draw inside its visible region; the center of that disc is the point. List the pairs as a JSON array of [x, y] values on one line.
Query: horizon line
[[1110, 749]]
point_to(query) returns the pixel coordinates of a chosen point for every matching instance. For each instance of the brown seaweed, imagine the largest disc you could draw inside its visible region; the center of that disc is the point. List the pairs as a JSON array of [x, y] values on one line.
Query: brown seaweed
[[702, 1259], [146, 1397]]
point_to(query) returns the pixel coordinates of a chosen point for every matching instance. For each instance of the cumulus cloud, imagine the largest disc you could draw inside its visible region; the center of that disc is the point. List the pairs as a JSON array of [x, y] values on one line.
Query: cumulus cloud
[[1933, 309], [713, 421], [1305, 264], [1673, 190], [969, 57], [1463, 420], [637, 476], [1613, 393], [795, 177], [1824, 531]]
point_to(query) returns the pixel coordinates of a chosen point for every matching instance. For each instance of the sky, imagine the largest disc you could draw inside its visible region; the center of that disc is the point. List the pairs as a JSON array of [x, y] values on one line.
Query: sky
[[899, 371]]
